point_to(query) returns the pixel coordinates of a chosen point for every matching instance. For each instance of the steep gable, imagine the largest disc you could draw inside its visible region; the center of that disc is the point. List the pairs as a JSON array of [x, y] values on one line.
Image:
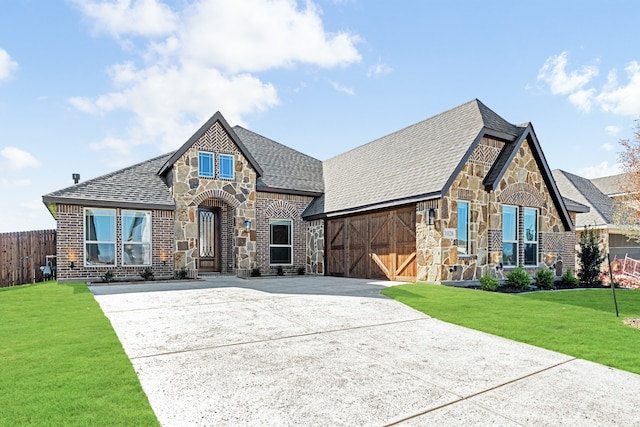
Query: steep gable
[[216, 135]]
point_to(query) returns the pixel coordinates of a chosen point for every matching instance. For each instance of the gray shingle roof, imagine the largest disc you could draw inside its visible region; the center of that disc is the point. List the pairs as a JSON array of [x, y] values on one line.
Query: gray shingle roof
[[283, 168], [585, 192], [611, 185], [135, 186], [415, 162]]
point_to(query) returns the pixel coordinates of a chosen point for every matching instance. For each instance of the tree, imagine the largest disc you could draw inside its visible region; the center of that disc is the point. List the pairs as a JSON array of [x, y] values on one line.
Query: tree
[[590, 258], [626, 213]]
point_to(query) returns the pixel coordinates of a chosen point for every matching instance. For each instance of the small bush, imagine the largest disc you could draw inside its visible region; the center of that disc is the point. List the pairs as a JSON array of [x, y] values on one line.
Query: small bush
[[255, 272], [568, 279], [590, 258], [280, 271], [488, 283], [544, 278], [301, 271], [518, 278], [108, 277], [182, 273], [147, 274]]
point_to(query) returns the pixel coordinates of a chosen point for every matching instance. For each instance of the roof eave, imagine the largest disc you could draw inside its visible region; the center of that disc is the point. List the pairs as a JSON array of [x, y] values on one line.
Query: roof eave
[[376, 206], [277, 190], [48, 200]]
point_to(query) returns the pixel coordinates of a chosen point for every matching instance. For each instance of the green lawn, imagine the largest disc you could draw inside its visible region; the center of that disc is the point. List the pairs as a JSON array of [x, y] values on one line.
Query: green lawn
[[578, 323], [61, 362]]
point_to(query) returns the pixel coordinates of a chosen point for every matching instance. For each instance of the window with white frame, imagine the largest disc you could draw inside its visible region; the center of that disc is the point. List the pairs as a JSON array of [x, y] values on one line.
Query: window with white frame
[[463, 228], [226, 166], [509, 235], [530, 236], [136, 238], [205, 164], [99, 237], [280, 242]]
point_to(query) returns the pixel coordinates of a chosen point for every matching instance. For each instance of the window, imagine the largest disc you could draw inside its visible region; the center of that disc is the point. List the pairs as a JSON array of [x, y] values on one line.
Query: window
[[136, 238], [205, 164], [530, 236], [509, 235], [226, 166], [463, 228], [280, 247], [99, 237]]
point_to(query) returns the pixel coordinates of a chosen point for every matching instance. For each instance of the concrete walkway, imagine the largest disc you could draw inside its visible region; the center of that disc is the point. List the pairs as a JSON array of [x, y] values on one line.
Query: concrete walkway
[[320, 351]]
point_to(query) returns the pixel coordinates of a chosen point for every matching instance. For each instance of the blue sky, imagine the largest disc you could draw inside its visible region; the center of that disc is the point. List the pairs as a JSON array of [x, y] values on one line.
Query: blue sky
[[90, 86]]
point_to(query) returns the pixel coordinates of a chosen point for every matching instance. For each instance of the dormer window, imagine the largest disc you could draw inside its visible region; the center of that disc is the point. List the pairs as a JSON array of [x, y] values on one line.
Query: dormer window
[[226, 166], [205, 164]]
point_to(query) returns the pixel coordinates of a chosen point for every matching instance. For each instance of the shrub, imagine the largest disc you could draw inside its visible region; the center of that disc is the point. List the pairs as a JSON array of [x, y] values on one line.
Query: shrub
[[147, 274], [108, 277], [280, 271], [301, 271], [255, 272], [590, 258], [488, 283], [544, 278], [182, 273], [518, 278], [568, 279]]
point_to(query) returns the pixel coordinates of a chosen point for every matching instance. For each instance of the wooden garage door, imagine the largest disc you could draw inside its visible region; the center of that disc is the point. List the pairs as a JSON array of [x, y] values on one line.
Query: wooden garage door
[[380, 245]]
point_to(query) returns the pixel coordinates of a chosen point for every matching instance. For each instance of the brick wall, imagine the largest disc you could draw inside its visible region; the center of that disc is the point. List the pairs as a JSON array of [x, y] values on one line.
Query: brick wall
[[281, 206], [70, 247]]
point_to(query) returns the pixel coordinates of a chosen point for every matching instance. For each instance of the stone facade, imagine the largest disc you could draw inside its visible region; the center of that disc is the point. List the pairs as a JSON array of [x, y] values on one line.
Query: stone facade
[[236, 197], [522, 185], [315, 247], [70, 247], [281, 206]]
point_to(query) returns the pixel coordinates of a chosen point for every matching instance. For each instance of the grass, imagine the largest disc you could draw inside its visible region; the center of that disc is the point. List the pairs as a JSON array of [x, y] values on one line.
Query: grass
[[61, 363], [580, 323]]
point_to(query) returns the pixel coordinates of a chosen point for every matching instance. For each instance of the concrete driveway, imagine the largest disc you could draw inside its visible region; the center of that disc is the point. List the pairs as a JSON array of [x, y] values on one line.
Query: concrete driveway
[[328, 351]]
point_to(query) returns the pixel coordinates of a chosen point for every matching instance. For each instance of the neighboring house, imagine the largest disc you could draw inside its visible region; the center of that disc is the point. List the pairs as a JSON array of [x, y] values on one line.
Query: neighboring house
[[599, 195], [454, 197]]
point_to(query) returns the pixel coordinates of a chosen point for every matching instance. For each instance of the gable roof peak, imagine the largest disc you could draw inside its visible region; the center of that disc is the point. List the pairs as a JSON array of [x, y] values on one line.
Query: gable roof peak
[[217, 117]]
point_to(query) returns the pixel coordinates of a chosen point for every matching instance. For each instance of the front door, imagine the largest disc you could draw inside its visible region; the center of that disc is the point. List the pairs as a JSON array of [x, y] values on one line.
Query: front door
[[209, 241]]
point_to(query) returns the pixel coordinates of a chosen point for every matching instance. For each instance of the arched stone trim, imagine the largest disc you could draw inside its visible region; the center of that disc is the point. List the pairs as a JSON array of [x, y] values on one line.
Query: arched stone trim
[[215, 194], [281, 209], [522, 194]]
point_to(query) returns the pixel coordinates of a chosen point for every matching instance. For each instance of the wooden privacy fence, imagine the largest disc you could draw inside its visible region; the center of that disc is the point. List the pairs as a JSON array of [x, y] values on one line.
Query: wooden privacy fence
[[22, 253]]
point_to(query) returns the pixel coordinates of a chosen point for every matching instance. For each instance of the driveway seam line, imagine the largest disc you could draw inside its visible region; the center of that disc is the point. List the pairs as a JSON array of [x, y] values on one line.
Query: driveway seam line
[[276, 339], [394, 423]]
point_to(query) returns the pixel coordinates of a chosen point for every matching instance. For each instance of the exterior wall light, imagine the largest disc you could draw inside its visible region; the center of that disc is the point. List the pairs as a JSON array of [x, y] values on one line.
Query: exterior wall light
[[73, 258], [431, 216], [247, 224]]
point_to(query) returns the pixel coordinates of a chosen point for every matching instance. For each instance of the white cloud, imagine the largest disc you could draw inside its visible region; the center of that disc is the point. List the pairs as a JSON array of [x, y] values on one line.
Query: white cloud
[[603, 169], [607, 146], [623, 100], [560, 82], [18, 159], [7, 65], [204, 63], [379, 69], [123, 17], [614, 98], [613, 130], [340, 88]]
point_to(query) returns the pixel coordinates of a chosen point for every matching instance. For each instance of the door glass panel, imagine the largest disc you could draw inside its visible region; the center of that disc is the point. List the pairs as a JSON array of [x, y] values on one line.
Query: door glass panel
[[207, 233]]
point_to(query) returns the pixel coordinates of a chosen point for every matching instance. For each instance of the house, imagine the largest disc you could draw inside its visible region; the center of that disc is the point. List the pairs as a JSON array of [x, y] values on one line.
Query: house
[[456, 196], [599, 195]]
